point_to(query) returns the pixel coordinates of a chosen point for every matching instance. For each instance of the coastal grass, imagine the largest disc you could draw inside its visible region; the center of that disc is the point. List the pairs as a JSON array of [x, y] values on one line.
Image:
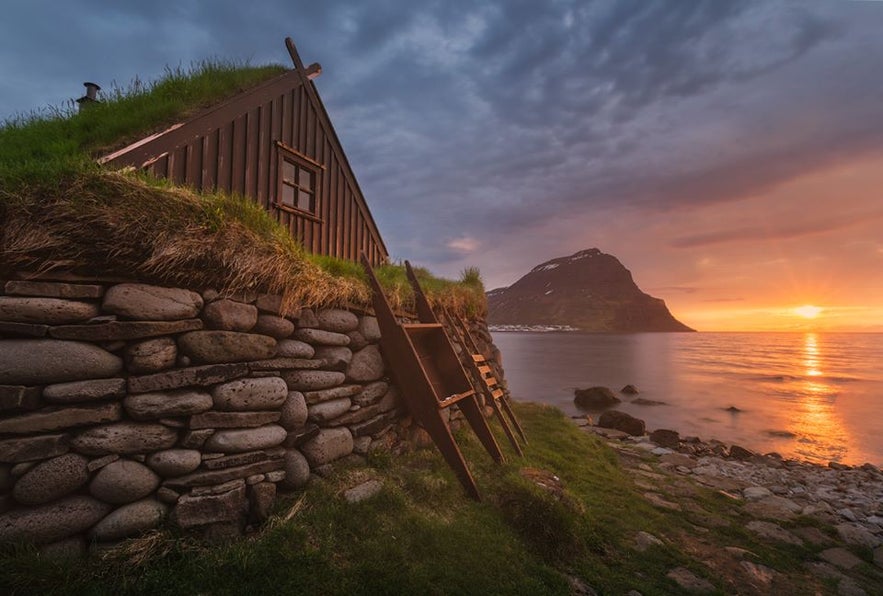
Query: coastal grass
[[563, 516]]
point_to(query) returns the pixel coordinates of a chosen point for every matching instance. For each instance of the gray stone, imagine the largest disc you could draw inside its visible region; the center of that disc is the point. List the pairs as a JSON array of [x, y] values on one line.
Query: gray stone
[[123, 330], [294, 411], [297, 470], [292, 348], [271, 303], [124, 438], [274, 326], [262, 495], [595, 397], [152, 355], [42, 361], [210, 347], [52, 479], [186, 377], [53, 522], [174, 462], [337, 320], [51, 419], [621, 421], [840, 557], [366, 365], [152, 406], [234, 419], [369, 328], [312, 380], [371, 394], [318, 337], [328, 410], [33, 448], [201, 510], [50, 289], [250, 394], [335, 355], [49, 311], [772, 531], [79, 391], [229, 315], [315, 397], [330, 444], [151, 303], [123, 481], [852, 533], [19, 398], [362, 492], [250, 439], [129, 520], [687, 580]]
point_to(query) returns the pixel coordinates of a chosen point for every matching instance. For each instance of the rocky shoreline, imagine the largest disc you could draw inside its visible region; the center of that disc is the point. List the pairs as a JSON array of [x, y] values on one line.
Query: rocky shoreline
[[786, 501]]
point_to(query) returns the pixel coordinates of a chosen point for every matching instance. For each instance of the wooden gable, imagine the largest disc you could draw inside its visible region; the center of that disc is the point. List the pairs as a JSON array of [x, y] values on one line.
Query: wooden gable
[[274, 143]]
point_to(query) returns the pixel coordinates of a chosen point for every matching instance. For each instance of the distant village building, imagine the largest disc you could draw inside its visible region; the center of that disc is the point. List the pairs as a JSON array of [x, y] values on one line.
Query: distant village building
[[274, 143]]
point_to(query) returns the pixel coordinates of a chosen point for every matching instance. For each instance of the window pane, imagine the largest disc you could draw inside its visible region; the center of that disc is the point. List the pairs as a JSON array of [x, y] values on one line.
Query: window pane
[[304, 200], [288, 171], [305, 179], [288, 195]]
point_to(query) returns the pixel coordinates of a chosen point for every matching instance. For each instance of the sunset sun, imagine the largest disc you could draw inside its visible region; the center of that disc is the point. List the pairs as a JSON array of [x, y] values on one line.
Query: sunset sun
[[808, 311]]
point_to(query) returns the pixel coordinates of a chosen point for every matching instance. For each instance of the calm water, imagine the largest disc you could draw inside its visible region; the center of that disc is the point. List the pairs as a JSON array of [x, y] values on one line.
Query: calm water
[[813, 396]]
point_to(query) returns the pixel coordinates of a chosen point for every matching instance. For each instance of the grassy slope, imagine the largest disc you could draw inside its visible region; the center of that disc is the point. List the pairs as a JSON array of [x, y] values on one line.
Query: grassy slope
[[421, 536]]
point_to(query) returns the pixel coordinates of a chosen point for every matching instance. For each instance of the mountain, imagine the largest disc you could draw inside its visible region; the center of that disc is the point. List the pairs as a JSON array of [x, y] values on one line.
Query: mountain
[[589, 290]]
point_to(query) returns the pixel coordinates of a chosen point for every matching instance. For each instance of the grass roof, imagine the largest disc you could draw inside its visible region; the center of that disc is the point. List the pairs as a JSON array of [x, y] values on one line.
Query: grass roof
[[60, 211]]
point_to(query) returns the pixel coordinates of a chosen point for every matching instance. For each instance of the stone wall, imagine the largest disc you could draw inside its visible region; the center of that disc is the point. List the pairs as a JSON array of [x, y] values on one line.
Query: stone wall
[[123, 404]]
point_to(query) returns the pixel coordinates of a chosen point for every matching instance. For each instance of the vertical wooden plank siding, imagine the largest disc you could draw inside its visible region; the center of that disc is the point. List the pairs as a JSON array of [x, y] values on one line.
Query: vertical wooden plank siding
[[238, 164], [225, 153]]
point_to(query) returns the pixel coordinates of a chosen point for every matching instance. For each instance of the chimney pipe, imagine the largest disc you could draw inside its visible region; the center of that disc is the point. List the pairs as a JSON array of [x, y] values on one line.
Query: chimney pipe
[[91, 96]]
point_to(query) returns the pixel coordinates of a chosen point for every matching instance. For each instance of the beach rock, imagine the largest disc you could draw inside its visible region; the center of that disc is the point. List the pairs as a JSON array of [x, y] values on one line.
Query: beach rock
[[152, 355], [329, 410], [250, 394], [123, 481], [318, 337], [294, 411], [292, 348], [151, 303], [337, 320], [622, 421], [53, 522], [52, 419], [297, 470], [312, 380], [174, 462], [366, 365], [594, 398], [330, 444], [44, 361], [629, 390], [167, 404], [273, 326], [129, 520], [666, 438], [740, 453], [80, 391], [210, 347], [124, 438], [250, 439], [52, 479], [228, 315], [369, 328], [49, 311]]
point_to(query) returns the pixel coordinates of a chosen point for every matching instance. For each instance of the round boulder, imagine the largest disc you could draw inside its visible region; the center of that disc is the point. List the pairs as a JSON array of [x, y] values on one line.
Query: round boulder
[[263, 393], [294, 411], [52, 479], [621, 421], [213, 347], [44, 361], [174, 462], [366, 365], [292, 348], [666, 438], [297, 470], [330, 444], [241, 440], [151, 303], [53, 522], [129, 520], [594, 398], [274, 326], [629, 390], [229, 315], [337, 320], [124, 438], [123, 481]]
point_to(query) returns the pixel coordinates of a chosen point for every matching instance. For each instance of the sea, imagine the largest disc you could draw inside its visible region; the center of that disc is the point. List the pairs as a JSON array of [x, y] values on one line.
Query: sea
[[810, 396]]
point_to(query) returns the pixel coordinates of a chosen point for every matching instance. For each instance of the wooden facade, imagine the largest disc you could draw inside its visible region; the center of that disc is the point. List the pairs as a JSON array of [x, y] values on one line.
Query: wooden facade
[[274, 143]]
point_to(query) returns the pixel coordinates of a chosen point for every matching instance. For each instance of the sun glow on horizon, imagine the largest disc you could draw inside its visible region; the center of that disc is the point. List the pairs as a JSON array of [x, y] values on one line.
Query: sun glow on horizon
[[808, 311]]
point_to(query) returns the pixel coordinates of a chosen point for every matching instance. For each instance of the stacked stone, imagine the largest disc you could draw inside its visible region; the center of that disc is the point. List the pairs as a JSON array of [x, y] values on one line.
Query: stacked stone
[[124, 404]]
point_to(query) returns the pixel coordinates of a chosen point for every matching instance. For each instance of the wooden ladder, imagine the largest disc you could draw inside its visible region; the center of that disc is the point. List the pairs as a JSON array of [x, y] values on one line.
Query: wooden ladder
[[430, 377]]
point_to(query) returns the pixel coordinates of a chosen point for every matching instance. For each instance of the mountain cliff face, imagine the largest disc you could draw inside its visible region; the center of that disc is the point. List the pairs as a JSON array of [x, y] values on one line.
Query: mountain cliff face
[[588, 290]]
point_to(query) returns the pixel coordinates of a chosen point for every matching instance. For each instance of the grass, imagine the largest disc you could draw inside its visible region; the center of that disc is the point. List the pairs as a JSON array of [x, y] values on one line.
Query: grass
[[566, 512]]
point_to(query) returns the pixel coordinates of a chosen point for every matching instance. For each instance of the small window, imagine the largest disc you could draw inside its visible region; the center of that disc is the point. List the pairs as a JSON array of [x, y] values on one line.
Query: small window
[[298, 182]]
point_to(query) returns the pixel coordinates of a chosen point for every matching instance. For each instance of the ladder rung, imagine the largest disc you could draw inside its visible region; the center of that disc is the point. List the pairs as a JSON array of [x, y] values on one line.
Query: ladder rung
[[452, 399]]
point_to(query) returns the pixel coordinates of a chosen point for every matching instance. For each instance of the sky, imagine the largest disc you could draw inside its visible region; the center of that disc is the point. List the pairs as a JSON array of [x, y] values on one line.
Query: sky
[[730, 154]]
